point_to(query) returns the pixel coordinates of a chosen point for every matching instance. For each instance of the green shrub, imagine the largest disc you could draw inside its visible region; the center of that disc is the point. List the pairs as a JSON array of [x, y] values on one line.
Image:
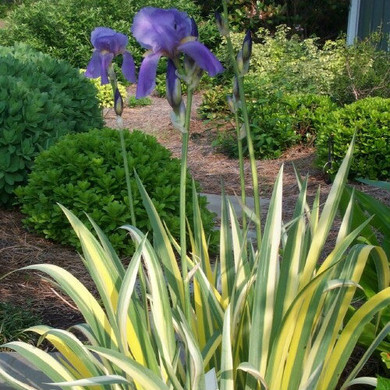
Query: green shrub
[[277, 120], [41, 99], [364, 72], [85, 173], [133, 102], [285, 62], [214, 103], [370, 119], [308, 112], [52, 27]]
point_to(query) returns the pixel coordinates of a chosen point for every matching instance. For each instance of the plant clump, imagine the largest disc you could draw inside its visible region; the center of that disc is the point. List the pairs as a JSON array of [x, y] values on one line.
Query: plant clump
[[85, 173], [41, 99], [370, 120]]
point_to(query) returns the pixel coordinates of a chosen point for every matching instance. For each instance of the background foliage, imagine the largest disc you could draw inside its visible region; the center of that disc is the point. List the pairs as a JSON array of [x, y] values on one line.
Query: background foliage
[[323, 18], [41, 99], [85, 173], [51, 27]]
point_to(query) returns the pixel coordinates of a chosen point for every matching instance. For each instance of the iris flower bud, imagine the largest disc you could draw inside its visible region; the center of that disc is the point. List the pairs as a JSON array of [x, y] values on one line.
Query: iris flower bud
[[221, 24], [236, 92], [173, 87], [118, 103], [244, 54], [247, 47]]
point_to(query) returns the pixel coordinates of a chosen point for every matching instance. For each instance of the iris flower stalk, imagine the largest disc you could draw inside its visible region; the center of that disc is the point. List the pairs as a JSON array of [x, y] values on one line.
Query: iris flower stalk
[[109, 44], [240, 66], [173, 34]]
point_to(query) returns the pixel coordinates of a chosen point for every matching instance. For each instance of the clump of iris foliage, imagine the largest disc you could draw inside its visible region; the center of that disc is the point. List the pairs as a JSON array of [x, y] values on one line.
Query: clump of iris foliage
[[276, 313], [41, 99]]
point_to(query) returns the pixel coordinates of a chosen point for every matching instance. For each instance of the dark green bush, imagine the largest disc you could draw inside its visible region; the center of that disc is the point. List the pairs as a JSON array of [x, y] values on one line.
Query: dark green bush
[[308, 112], [277, 120], [214, 103], [85, 173], [370, 120], [52, 26], [41, 99]]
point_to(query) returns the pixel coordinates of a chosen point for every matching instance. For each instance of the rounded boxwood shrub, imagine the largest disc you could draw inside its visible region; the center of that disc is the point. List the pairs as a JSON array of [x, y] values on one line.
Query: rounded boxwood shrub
[[85, 173], [41, 99], [370, 120]]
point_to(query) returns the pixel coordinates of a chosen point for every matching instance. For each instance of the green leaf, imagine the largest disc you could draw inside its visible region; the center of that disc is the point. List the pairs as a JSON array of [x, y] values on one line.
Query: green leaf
[[383, 383], [142, 375]]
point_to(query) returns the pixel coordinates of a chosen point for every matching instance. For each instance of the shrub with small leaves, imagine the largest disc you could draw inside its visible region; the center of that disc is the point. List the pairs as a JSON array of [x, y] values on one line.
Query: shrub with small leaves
[[370, 119], [41, 99], [85, 173]]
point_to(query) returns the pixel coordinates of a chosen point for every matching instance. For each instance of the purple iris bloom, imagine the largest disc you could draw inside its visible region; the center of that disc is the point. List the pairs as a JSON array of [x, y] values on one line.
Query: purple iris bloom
[[108, 44], [168, 33]]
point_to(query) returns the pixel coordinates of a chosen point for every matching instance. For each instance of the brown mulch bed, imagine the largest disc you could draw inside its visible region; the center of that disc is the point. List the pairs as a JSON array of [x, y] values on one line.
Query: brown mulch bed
[[19, 248]]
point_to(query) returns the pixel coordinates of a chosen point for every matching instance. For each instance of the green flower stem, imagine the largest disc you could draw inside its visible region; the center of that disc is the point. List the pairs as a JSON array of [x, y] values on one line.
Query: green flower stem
[[242, 167], [244, 111], [119, 122], [183, 179]]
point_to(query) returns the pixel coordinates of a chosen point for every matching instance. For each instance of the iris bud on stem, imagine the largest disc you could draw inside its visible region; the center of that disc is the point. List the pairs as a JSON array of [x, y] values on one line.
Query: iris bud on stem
[[244, 54], [118, 103], [221, 24]]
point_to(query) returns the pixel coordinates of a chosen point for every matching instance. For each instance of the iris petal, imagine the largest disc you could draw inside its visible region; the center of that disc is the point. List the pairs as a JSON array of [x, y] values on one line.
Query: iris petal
[[128, 67], [202, 56], [106, 60], [106, 39], [147, 75], [160, 29], [94, 69]]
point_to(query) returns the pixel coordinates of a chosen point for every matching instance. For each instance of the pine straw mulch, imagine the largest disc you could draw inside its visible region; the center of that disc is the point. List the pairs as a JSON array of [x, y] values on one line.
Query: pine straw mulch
[[19, 248]]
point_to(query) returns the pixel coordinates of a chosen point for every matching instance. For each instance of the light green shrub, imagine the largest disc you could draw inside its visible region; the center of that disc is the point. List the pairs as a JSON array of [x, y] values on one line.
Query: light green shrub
[[104, 92], [290, 64]]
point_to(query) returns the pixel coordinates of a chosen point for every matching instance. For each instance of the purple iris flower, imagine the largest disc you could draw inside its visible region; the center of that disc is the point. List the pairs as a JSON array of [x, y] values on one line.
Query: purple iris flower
[[168, 33], [108, 44]]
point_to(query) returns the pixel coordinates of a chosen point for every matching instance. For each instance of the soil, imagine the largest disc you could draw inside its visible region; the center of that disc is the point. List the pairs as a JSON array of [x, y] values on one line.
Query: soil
[[20, 248]]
